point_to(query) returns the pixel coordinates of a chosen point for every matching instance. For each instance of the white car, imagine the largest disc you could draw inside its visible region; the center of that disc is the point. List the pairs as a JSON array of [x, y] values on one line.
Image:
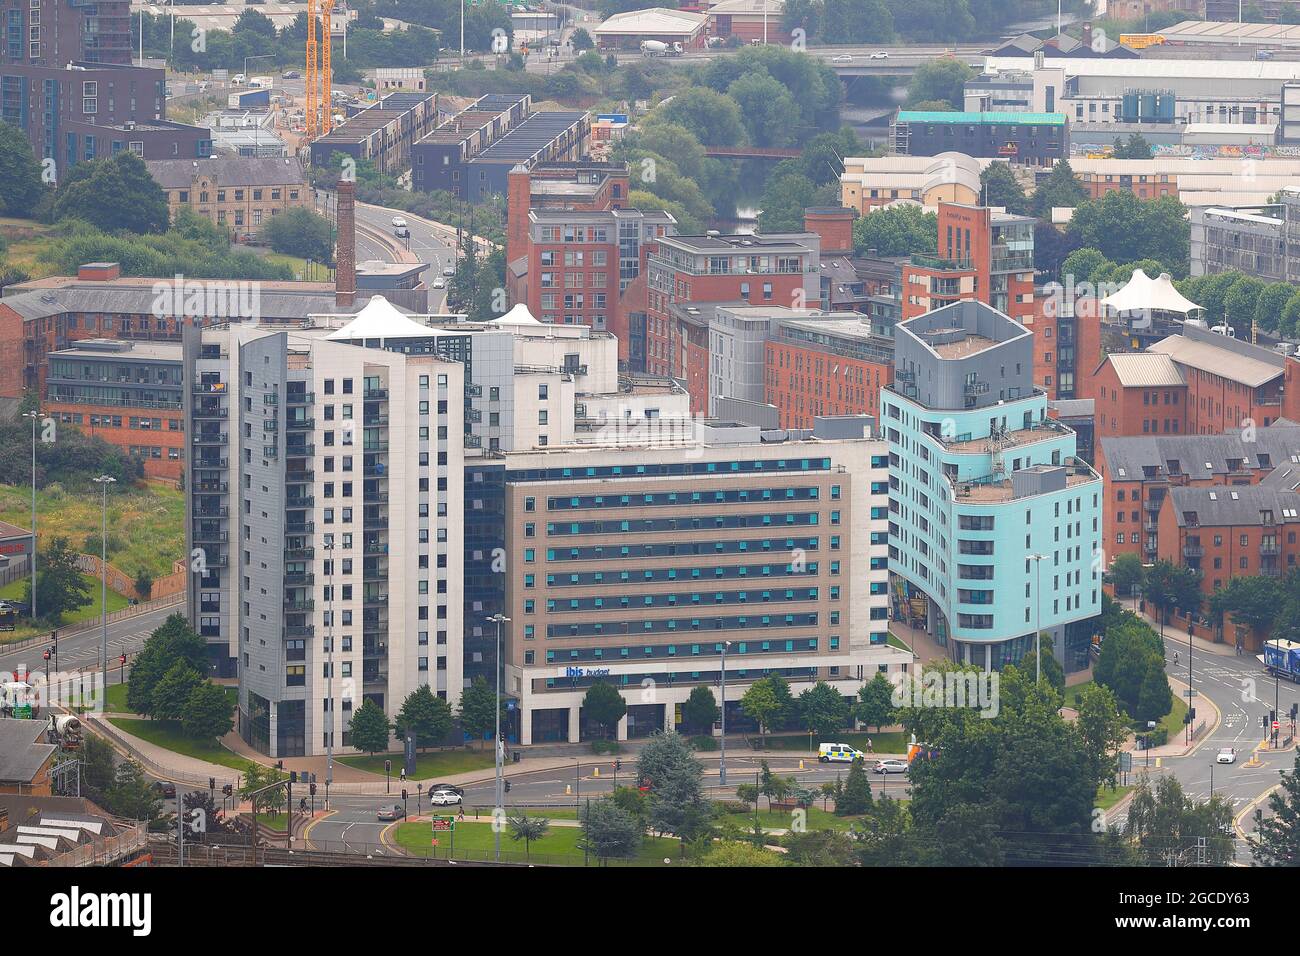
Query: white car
[[399, 222], [443, 798], [1226, 755], [440, 283], [890, 766], [879, 55], [842, 58]]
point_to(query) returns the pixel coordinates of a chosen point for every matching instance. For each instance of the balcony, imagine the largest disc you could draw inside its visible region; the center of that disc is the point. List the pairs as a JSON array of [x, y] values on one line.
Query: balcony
[[296, 605], [221, 512], [375, 395], [375, 448], [209, 487], [300, 398], [376, 497], [209, 388], [473, 415], [297, 475], [375, 575], [306, 527], [205, 535], [375, 471], [1153, 505], [473, 441], [374, 600], [299, 630], [215, 560], [374, 522], [209, 438], [301, 578], [299, 554], [375, 421], [1271, 571], [294, 424], [376, 547], [1270, 548], [271, 399], [216, 411], [299, 451], [1150, 524], [299, 501], [473, 390], [940, 264], [1193, 551]]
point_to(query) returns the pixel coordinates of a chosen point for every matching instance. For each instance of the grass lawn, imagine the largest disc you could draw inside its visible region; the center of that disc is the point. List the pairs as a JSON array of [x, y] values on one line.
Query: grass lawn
[[889, 742], [896, 641], [474, 840], [146, 522], [276, 821], [15, 590], [318, 273], [167, 734], [1107, 798], [431, 763], [818, 819], [1172, 722], [115, 699]]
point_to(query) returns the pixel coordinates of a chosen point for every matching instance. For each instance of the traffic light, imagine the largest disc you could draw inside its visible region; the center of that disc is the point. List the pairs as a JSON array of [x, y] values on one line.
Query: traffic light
[[212, 783], [403, 794], [312, 789], [122, 660], [618, 765], [507, 783], [47, 655], [1295, 709], [227, 790], [1191, 713], [388, 766]]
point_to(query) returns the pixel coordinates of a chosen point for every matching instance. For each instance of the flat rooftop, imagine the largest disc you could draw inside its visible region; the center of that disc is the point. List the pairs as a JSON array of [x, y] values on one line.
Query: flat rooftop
[[141, 351], [530, 137], [996, 491], [970, 345], [1012, 439]]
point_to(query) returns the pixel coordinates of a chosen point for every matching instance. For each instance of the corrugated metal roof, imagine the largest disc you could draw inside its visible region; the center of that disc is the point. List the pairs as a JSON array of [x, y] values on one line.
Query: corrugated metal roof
[[652, 21], [1229, 364], [1145, 370]]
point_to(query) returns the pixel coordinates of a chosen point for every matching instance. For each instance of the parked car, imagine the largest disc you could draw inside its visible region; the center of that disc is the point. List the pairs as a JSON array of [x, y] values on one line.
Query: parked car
[[1226, 755], [291, 74], [890, 766], [443, 798], [838, 753], [392, 811]]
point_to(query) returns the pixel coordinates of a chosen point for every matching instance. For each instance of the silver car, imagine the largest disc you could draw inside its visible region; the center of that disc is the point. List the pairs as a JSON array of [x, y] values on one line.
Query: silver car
[[890, 766]]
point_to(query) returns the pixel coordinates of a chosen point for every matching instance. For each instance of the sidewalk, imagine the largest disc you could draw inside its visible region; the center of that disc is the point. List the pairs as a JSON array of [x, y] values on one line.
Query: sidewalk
[[1176, 641]]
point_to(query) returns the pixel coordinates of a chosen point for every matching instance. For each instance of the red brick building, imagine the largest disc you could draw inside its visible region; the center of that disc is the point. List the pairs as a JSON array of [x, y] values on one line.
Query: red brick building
[[1139, 393], [816, 367], [983, 255], [758, 269]]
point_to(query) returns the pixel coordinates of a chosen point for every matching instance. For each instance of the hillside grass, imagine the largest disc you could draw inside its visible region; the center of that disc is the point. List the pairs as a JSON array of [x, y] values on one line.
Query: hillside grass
[[16, 591]]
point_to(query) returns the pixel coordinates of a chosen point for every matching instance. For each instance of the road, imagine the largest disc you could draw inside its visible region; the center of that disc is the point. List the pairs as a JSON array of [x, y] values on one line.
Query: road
[[433, 243], [82, 651]]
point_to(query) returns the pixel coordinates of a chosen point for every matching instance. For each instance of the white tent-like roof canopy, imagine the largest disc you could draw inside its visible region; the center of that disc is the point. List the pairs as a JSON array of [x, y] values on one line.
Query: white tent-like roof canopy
[[1144, 294], [519, 315], [380, 319]]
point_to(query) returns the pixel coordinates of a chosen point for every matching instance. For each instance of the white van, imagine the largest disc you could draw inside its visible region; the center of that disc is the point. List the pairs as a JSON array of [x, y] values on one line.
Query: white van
[[839, 753]]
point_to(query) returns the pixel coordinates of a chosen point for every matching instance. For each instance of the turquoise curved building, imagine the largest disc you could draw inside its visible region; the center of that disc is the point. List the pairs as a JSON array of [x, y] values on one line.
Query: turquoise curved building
[[995, 523]]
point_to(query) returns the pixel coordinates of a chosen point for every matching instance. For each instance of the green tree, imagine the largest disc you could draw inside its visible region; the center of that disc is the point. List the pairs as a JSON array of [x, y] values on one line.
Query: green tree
[[172, 693], [714, 118], [1276, 840], [1271, 303], [747, 793], [676, 803], [784, 199], [823, 710], [257, 777], [608, 831], [941, 79], [581, 39], [1239, 303], [760, 703], [115, 193], [604, 706], [528, 829], [896, 231], [1172, 829], [1102, 729], [1290, 321], [143, 584], [700, 711], [60, 587], [875, 706], [477, 710], [21, 188], [369, 728], [765, 108], [97, 770], [173, 641], [1052, 674], [425, 715], [207, 713], [300, 232], [1081, 264], [1061, 189], [733, 853], [1136, 147], [856, 21], [131, 794], [1155, 699], [1123, 663], [855, 798], [1127, 573], [1001, 188], [1170, 586], [1125, 228]]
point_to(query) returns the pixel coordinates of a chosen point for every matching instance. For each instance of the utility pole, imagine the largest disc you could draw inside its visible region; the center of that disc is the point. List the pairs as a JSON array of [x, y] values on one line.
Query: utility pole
[[34, 415], [497, 619], [104, 481], [722, 761]]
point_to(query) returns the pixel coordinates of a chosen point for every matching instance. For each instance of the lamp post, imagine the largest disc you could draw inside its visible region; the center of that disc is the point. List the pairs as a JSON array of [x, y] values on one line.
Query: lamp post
[[34, 415], [104, 481], [1038, 604], [498, 619], [722, 761]]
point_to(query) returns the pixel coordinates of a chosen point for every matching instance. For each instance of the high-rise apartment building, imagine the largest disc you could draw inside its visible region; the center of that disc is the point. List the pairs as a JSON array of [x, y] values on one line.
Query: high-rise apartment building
[[324, 501], [995, 524]]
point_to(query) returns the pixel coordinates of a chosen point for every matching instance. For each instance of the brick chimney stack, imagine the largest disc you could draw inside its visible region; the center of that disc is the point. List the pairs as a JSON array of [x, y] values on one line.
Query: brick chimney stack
[[345, 268]]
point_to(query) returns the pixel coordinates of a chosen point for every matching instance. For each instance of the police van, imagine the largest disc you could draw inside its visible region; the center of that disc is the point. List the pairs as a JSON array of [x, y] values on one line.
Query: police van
[[839, 753]]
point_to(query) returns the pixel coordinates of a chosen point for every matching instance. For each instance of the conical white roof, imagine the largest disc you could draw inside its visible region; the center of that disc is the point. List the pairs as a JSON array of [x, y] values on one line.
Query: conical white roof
[[380, 319], [519, 315], [1144, 294]]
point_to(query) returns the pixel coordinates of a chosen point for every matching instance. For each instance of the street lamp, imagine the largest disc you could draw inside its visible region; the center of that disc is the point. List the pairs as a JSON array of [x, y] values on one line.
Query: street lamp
[[104, 481], [722, 762], [498, 619], [34, 415], [1038, 605]]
